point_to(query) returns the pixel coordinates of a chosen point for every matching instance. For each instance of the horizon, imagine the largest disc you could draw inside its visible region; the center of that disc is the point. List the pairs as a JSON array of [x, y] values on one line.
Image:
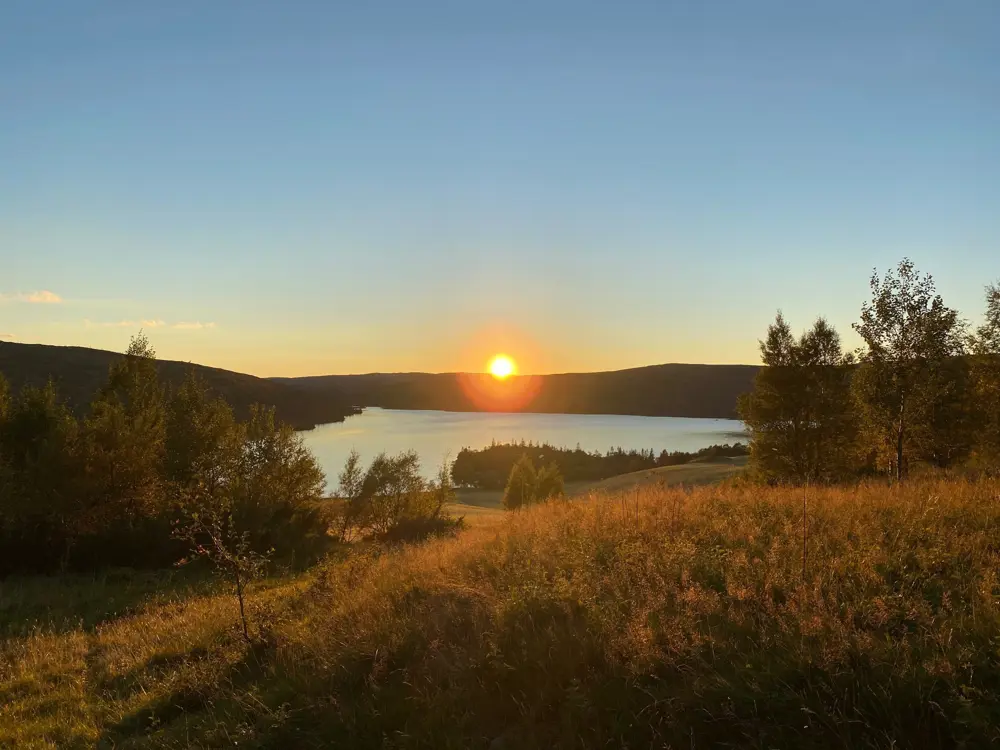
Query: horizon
[[313, 190], [401, 372]]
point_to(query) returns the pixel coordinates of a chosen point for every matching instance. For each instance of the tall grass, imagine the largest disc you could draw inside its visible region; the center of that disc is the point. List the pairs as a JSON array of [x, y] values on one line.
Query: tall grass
[[659, 618]]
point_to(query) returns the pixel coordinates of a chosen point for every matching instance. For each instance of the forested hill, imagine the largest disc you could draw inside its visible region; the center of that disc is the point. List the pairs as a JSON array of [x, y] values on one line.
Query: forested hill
[[79, 372], [671, 390]]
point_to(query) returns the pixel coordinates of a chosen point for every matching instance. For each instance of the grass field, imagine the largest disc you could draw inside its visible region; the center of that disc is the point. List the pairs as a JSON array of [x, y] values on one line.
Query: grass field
[[666, 618], [479, 505]]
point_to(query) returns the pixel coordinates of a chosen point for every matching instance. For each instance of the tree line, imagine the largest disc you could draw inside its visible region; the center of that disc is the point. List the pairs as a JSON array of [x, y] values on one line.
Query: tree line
[[150, 472], [111, 487], [490, 467], [924, 389]]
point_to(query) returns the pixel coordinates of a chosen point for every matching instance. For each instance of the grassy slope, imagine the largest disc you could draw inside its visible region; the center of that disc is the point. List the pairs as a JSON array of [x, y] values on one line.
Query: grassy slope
[[670, 618], [477, 504]]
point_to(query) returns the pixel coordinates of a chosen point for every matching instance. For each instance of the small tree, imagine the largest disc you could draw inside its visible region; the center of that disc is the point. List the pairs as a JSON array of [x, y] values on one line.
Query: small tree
[[798, 413], [391, 498], [549, 483], [902, 385], [521, 484], [349, 491], [442, 489], [210, 529], [274, 481]]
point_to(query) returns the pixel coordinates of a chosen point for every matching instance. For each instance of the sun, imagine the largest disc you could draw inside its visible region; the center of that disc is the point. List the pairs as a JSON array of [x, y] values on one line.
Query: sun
[[501, 367]]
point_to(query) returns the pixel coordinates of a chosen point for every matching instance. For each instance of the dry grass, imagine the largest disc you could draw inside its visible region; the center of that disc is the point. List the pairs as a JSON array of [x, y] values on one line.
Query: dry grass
[[663, 618], [477, 505]]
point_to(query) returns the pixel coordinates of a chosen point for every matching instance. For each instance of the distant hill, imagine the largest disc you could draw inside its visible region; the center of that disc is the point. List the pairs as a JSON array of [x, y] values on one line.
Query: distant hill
[[80, 372], [671, 390]]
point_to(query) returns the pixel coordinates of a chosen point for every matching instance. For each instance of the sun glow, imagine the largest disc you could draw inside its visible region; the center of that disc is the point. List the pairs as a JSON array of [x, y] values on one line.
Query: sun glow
[[501, 367]]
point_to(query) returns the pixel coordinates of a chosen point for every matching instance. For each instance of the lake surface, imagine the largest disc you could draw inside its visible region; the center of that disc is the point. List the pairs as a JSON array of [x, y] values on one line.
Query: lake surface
[[436, 435]]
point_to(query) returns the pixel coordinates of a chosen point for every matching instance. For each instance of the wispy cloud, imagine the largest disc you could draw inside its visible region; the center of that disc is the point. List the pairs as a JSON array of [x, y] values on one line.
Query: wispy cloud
[[41, 297], [6, 336], [153, 323], [119, 324]]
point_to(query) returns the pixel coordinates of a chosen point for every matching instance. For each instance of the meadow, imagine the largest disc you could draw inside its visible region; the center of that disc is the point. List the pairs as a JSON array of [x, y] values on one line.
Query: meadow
[[657, 617], [474, 504]]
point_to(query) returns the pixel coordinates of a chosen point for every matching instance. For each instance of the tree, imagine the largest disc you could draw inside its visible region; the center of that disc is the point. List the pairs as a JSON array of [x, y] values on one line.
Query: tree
[[521, 484], [549, 483], [211, 531], [201, 437], [903, 386], [349, 490], [392, 500], [985, 347], [38, 468], [124, 439], [798, 414], [273, 477], [442, 489]]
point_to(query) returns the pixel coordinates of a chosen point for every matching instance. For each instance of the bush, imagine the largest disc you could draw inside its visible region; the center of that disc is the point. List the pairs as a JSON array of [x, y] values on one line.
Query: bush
[[391, 500]]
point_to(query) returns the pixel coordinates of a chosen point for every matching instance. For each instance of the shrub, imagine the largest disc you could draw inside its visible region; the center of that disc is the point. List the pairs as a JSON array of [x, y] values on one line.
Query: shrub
[[391, 499]]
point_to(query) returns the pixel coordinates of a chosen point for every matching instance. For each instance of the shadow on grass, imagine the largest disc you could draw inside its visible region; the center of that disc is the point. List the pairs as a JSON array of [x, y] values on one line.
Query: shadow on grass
[[66, 602]]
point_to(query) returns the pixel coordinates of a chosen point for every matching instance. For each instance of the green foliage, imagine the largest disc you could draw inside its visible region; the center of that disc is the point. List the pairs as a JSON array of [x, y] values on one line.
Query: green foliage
[[201, 437], [985, 375], [108, 489], [520, 489], [526, 486], [391, 499], [123, 442], [799, 413], [489, 467], [273, 475], [549, 483], [38, 462], [903, 389]]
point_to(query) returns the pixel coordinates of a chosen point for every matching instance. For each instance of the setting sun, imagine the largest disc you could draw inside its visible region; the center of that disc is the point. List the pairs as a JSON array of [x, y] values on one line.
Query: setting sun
[[501, 366]]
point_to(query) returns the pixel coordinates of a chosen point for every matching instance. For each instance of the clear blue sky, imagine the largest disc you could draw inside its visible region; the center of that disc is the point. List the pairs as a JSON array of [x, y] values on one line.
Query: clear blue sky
[[315, 187]]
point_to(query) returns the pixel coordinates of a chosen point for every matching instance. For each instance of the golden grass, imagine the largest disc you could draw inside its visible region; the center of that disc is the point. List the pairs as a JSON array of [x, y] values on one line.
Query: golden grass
[[660, 618], [477, 505]]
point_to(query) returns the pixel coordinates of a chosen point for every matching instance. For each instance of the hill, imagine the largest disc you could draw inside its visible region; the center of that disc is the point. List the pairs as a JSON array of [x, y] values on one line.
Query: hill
[[668, 618], [79, 372], [670, 390]]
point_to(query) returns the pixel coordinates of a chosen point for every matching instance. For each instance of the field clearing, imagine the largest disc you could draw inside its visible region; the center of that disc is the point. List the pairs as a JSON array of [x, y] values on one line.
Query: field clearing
[[657, 618], [481, 505]]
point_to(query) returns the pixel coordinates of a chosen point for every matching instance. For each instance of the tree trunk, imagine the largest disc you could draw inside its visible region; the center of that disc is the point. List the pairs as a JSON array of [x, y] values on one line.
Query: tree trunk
[[239, 595]]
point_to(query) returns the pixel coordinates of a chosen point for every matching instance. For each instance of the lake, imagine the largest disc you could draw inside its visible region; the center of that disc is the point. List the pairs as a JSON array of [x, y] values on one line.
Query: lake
[[435, 435]]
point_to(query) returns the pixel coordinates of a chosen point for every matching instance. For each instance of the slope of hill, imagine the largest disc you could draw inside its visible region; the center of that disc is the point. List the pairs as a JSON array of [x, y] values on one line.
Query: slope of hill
[[671, 390], [664, 618], [476, 505], [79, 372]]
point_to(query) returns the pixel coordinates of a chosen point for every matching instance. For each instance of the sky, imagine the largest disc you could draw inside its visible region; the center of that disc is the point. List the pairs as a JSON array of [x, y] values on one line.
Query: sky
[[329, 187]]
